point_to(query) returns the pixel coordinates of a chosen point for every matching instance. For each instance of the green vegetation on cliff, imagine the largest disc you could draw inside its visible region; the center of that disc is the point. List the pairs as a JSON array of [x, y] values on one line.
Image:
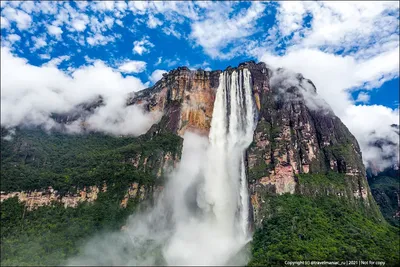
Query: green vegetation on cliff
[[330, 179], [33, 159], [52, 234], [298, 227], [385, 188]]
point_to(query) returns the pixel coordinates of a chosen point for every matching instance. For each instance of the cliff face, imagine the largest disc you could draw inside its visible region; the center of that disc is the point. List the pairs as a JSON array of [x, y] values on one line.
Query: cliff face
[[297, 135], [185, 97], [38, 198], [297, 141]]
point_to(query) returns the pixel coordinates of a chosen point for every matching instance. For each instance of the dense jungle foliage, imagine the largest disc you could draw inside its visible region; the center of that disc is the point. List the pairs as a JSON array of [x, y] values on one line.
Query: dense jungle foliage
[[52, 234], [385, 188], [302, 228], [34, 159]]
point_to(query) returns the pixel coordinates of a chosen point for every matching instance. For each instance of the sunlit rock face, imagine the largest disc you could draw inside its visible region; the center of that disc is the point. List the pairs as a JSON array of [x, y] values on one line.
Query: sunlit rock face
[[186, 97], [39, 198]]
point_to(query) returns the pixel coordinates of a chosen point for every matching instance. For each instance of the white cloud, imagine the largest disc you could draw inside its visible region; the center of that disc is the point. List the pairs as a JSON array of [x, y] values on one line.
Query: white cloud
[[54, 30], [5, 24], [219, 30], [335, 26], [104, 5], [363, 97], [28, 6], [39, 42], [44, 56], [170, 30], [54, 62], [143, 46], [283, 79], [342, 72], [82, 5], [369, 124], [368, 35], [22, 19], [156, 75], [121, 5], [13, 37], [172, 62], [119, 22], [203, 65], [99, 39], [153, 22], [132, 66], [45, 90], [158, 61], [79, 25], [47, 7]]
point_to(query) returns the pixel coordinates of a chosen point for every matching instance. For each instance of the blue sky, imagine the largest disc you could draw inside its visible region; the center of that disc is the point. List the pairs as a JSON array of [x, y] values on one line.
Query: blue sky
[[170, 36], [350, 50]]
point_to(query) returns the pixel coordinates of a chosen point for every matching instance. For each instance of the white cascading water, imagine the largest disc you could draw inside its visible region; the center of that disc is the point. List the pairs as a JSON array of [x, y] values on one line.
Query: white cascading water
[[232, 129], [202, 217]]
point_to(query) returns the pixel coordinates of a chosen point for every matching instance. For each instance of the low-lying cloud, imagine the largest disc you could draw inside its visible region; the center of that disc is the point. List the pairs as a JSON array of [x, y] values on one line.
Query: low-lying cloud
[[30, 95], [283, 80], [371, 124]]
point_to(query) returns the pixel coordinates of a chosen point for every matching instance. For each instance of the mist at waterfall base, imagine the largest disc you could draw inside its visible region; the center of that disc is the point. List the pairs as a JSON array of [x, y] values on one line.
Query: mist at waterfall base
[[202, 215]]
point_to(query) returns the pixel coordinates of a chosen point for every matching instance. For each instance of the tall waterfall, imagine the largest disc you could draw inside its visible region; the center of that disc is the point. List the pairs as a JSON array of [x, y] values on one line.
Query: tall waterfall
[[232, 129], [202, 216]]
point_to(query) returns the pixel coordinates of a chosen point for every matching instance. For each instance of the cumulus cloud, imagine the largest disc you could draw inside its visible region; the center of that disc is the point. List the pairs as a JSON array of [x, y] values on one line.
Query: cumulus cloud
[[14, 38], [335, 26], [4, 23], [79, 25], [143, 46], [132, 66], [54, 30], [99, 39], [39, 42], [22, 19], [370, 124], [54, 62], [219, 30], [363, 97], [46, 90], [153, 22], [156, 75]]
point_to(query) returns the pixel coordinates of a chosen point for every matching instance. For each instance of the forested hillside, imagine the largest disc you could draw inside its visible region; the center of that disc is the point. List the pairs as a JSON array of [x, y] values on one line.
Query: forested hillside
[[35, 160]]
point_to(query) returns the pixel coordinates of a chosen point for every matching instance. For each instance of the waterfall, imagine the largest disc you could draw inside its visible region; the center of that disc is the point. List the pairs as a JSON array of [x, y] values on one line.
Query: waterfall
[[231, 132]]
